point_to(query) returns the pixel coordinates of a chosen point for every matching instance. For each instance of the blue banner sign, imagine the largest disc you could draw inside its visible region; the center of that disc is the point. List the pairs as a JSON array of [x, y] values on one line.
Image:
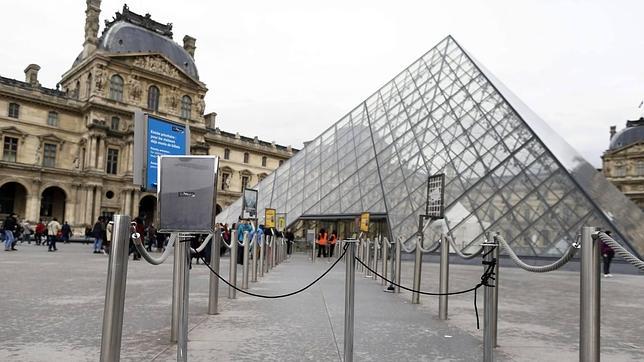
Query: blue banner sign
[[163, 138]]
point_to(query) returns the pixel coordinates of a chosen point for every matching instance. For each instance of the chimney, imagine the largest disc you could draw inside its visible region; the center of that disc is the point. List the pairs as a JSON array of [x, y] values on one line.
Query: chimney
[[189, 45], [612, 132], [31, 75], [210, 120], [91, 26]]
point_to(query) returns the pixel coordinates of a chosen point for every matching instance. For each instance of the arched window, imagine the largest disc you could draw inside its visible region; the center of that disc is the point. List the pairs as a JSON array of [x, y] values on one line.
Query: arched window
[[246, 157], [116, 87], [77, 91], [264, 161], [88, 85], [186, 107], [153, 98], [226, 154]]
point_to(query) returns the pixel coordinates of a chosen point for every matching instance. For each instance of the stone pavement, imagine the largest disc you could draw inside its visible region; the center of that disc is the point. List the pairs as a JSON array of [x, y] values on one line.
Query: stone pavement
[[53, 306]]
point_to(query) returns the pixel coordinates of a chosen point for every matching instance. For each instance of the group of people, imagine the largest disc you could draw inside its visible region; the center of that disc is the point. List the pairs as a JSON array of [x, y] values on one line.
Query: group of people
[[326, 243], [148, 236], [43, 234]]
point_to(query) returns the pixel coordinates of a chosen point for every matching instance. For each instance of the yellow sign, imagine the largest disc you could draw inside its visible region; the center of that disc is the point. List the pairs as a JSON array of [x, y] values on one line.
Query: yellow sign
[[281, 222], [269, 218], [364, 222]]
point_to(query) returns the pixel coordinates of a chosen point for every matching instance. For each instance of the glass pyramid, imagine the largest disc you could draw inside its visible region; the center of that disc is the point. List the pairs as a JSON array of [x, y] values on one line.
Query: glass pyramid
[[505, 170]]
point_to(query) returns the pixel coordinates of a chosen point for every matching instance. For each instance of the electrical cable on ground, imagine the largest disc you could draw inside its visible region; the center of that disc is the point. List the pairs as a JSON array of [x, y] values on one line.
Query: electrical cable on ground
[[280, 295], [487, 275]]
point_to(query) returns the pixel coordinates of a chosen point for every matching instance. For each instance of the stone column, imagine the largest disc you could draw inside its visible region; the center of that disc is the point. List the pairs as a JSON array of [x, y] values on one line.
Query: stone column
[[91, 152], [89, 201], [135, 203], [100, 148], [98, 196], [128, 202], [32, 207], [74, 214]]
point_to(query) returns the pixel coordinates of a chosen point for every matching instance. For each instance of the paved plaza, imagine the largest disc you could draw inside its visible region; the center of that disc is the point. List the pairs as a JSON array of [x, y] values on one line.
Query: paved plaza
[[53, 306]]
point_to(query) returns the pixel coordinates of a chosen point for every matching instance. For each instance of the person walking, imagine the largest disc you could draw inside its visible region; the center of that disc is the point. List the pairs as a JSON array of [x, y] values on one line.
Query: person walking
[[243, 227], [66, 232], [332, 240], [53, 227], [322, 242], [152, 236], [40, 232], [97, 233], [9, 226], [289, 241], [607, 256], [140, 229]]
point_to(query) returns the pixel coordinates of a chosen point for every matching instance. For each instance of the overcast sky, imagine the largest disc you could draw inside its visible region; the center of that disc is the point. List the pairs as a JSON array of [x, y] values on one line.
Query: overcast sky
[[286, 70]]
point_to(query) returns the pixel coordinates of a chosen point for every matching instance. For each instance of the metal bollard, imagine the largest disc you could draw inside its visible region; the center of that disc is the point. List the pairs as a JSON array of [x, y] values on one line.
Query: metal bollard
[[443, 285], [385, 259], [245, 265], [215, 256], [398, 266], [182, 343], [368, 258], [254, 260], [495, 295], [590, 297], [262, 255], [115, 291], [273, 250], [349, 294], [313, 252], [232, 273], [176, 289], [418, 263], [488, 311]]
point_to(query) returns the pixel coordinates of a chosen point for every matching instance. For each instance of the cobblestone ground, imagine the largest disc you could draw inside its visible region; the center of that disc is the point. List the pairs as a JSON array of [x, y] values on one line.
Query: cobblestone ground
[[53, 306]]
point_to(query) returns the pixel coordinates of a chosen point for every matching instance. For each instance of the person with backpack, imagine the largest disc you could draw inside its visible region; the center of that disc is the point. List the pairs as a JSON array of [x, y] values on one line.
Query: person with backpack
[[97, 233]]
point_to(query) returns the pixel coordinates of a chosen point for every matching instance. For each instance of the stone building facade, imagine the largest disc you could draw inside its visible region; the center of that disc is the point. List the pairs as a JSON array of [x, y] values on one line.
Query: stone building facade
[[68, 152], [623, 162]]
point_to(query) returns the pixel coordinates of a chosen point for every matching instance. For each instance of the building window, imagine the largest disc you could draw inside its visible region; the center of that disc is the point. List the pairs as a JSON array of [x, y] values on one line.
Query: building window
[[246, 157], [186, 107], [153, 98], [620, 171], [88, 85], [112, 161], [225, 181], [116, 88], [245, 180], [640, 168], [10, 149], [281, 162], [115, 123], [77, 90], [52, 119], [226, 154], [264, 159], [14, 110], [49, 155]]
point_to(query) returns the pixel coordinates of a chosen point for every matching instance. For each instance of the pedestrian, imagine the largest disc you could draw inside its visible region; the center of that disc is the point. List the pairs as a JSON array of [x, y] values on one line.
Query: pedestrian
[[53, 227], [244, 227], [289, 241], [607, 256], [332, 240], [225, 236], [322, 242], [152, 236], [27, 232], [40, 232], [140, 229], [66, 232], [97, 234], [9, 226]]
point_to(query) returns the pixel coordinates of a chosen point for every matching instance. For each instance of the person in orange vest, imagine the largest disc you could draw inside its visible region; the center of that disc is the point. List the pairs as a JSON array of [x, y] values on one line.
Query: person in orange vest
[[322, 241], [332, 240]]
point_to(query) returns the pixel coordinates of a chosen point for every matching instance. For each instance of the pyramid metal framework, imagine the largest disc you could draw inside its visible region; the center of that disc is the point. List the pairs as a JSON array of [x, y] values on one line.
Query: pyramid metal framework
[[506, 170]]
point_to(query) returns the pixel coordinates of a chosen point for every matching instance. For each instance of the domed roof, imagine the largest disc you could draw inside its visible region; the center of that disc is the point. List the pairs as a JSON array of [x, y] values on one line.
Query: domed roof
[[633, 133], [129, 32]]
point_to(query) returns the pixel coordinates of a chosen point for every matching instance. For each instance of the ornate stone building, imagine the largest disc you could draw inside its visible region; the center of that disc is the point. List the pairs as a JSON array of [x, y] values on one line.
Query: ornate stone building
[[623, 162], [68, 152]]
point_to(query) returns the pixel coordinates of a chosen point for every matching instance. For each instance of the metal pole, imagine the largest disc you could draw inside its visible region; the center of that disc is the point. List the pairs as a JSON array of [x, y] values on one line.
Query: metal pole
[[443, 286], [349, 290], [590, 297], [254, 261], [385, 258], [313, 252], [232, 273], [245, 261], [488, 345], [215, 256], [398, 260], [273, 250], [115, 291], [495, 296], [176, 289], [182, 344], [368, 258], [418, 263], [262, 256]]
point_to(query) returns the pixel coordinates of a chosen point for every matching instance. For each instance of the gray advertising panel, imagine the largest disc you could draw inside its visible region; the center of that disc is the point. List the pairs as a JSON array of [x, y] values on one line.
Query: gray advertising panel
[[249, 204], [187, 193]]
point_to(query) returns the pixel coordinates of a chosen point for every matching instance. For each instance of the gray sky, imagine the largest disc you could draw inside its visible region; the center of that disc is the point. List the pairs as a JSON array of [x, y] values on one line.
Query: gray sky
[[286, 70]]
